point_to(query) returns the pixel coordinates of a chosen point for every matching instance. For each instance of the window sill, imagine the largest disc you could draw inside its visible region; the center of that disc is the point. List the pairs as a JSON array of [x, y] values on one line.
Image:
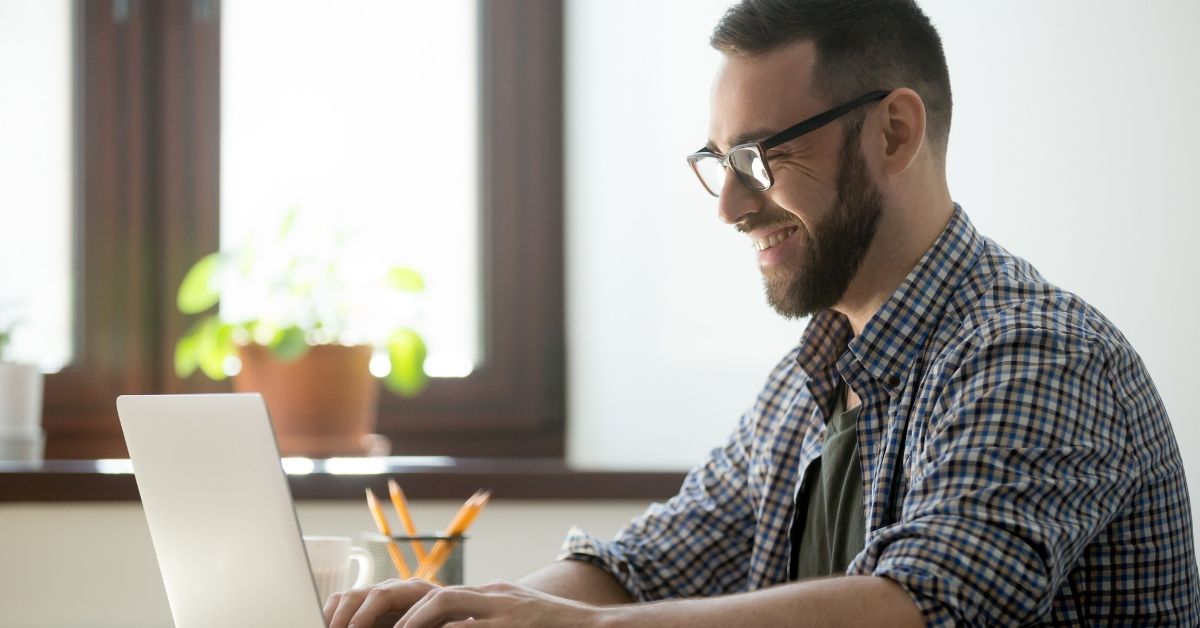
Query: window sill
[[345, 479]]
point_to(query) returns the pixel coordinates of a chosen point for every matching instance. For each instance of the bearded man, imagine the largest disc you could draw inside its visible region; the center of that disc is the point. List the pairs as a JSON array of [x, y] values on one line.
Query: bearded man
[[954, 441]]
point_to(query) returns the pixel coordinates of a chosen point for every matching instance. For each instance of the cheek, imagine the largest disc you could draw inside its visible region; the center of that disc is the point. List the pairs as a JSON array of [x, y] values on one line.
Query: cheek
[[808, 203]]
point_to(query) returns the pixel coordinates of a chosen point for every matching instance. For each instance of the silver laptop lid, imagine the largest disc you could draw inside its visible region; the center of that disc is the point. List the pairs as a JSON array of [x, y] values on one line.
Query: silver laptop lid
[[219, 510]]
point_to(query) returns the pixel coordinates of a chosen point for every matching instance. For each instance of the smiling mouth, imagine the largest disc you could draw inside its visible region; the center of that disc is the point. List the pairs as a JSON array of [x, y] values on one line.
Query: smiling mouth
[[773, 238]]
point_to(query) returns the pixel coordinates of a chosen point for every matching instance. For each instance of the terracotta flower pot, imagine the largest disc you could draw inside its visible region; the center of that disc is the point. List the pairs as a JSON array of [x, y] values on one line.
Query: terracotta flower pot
[[322, 404]]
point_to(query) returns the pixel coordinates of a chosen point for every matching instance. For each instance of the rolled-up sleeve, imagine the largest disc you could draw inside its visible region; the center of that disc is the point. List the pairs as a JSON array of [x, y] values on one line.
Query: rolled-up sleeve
[[1023, 463], [698, 543]]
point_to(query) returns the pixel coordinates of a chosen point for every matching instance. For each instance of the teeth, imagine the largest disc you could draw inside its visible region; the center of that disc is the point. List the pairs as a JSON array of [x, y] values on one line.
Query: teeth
[[773, 239]]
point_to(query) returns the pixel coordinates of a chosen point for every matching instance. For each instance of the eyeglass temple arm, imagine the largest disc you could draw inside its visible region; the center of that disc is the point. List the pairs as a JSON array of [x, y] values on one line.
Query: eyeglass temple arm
[[820, 120]]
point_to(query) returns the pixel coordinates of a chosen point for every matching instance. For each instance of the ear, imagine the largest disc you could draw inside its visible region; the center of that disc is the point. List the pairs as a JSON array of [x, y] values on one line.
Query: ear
[[899, 122]]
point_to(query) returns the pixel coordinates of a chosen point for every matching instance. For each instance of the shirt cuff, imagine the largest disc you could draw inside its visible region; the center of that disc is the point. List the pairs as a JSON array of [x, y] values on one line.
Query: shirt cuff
[[603, 554], [936, 614]]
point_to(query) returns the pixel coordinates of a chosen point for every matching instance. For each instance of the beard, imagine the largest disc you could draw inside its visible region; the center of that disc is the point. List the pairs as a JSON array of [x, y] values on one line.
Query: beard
[[834, 248]]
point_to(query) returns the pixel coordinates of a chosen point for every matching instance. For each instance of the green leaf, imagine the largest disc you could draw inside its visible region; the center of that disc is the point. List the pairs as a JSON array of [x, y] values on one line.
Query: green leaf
[[198, 292], [264, 333], [406, 350], [214, 343], [186, 350], [290, 344], [405, 279], [289, 222]]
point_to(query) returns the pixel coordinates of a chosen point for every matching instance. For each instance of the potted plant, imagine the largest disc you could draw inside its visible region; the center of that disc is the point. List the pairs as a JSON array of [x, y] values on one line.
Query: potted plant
[[305, 320], [21, 434]]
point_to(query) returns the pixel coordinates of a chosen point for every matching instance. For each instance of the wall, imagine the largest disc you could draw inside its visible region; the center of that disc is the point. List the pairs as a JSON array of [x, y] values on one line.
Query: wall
[[68, 565], [1072, 145], [668, 334]]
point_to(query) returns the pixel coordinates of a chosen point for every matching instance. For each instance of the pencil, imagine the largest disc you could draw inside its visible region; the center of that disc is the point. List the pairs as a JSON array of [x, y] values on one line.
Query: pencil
[[401, 505], [382, 524], [458, 526], [441, 549]]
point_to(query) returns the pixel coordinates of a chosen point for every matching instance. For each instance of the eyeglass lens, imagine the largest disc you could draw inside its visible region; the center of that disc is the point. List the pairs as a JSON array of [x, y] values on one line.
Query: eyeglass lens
[[751, 168], [746, 162], [711, 173]]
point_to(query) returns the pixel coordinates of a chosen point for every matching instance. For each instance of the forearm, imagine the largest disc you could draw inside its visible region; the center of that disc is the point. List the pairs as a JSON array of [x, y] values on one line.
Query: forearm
[[579, 581], [842, 601]]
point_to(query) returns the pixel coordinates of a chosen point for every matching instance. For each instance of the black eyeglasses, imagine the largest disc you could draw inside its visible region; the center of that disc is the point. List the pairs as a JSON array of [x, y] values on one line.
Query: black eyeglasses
[[747, 160]]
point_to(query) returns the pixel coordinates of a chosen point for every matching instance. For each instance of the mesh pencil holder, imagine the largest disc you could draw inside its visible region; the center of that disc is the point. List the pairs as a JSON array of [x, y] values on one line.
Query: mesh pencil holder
[[446, 549]]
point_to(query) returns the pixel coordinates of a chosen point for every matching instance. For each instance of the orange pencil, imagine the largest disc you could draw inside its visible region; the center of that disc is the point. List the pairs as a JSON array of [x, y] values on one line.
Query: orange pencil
[[382, 524], [401, 506], [458, 526]]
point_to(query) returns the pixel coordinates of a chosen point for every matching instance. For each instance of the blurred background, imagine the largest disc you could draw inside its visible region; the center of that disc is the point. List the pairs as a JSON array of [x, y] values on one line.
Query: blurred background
[[580, 300]]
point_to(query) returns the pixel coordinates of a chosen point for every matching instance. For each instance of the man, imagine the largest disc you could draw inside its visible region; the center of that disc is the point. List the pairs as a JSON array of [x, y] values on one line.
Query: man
[[956, 439]]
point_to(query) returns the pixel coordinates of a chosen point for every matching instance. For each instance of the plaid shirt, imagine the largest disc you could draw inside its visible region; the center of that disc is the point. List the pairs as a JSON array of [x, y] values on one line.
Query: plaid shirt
[[1017, 463]]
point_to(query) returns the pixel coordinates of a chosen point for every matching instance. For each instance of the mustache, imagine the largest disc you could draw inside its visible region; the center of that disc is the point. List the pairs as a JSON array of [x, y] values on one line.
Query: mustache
[[768, 217]]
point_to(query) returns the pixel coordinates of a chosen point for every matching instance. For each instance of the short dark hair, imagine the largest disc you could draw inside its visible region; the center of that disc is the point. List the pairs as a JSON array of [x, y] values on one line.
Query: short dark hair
[[861, 46]]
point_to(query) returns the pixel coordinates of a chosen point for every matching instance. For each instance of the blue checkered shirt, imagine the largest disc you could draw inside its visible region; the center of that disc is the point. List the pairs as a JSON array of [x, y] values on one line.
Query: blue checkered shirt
[[1018, 465]]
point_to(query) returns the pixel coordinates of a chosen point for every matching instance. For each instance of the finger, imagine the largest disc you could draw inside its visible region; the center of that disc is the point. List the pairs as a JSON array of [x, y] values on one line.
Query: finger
[[414, 608], [446, 605], [331, 604], [347, 604], [393, 596], [376, 605]]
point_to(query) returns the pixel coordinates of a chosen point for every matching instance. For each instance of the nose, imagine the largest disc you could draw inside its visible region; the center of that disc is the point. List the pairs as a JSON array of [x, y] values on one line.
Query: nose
[[737, 201]]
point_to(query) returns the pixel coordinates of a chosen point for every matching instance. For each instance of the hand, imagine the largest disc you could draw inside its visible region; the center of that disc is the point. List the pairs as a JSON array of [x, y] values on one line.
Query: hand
[[496, 605], [363, 607]]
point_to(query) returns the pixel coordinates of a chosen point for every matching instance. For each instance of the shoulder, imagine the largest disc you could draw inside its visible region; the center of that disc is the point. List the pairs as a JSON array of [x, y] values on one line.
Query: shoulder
[[1017, 345], [1005, 305]]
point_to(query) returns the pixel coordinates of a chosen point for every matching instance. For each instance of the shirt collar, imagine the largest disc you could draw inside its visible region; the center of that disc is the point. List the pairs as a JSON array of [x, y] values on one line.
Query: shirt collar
[[823, 341], [892, 338]]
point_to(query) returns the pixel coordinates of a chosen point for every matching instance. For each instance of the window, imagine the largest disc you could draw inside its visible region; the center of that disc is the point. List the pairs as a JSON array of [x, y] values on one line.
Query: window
[[152, 188], [362, 119], [36, 180]]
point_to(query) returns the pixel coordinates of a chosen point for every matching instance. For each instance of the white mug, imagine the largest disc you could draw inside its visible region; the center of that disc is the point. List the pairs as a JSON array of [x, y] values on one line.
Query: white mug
[[330, 558]]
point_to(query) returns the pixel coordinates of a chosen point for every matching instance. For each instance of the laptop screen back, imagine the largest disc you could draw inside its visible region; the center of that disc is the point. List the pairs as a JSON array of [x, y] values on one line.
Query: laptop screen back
[[219, 511]]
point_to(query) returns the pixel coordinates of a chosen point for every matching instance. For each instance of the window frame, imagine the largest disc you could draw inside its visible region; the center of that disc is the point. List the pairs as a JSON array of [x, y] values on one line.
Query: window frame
[[147, 112]]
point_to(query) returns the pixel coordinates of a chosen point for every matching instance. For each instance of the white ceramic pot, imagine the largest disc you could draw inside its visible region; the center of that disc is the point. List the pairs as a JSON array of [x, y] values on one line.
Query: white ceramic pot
[[21, 435]]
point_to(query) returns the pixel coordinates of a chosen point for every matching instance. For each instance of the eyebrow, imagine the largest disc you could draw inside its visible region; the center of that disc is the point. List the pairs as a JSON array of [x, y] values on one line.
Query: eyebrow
[[754, 135]]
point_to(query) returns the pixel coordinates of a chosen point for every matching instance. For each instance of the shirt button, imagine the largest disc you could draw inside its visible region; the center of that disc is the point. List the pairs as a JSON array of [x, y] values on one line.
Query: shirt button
[[893, 381]]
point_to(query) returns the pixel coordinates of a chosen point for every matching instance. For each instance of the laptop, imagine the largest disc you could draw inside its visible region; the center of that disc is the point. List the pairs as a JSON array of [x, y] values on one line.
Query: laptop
[[219, 510]]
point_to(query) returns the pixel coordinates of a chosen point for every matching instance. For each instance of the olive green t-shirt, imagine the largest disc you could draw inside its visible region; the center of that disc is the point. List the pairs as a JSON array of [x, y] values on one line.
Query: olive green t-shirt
[[829, 528]]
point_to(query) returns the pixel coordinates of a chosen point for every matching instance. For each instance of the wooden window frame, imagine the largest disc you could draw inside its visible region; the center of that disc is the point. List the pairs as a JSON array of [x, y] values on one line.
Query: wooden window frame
[[147, 117]]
